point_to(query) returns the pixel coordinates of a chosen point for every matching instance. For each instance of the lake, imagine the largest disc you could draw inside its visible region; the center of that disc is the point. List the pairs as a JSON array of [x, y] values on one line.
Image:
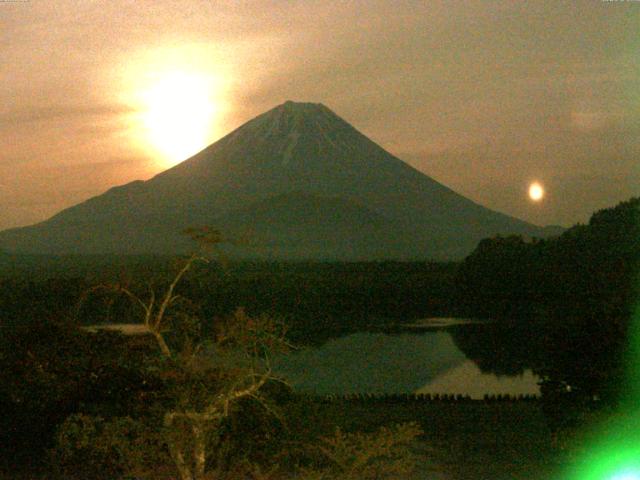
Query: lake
[[423, 361]]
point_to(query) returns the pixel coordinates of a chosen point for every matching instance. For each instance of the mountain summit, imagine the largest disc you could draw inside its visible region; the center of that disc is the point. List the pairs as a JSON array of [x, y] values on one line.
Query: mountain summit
[[300, 181]]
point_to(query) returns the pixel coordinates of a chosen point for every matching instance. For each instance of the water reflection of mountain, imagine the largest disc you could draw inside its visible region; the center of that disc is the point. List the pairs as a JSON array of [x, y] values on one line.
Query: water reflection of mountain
[[372, 363], [468, 379], [456, 360], [500, 349]]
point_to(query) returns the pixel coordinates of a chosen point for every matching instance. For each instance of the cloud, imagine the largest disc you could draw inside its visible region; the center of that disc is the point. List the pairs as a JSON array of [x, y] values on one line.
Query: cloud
[[479, 94], [62, 112]]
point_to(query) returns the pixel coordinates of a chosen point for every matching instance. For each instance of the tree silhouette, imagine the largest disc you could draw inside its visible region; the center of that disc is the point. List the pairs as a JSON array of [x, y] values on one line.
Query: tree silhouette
[[203, 378]]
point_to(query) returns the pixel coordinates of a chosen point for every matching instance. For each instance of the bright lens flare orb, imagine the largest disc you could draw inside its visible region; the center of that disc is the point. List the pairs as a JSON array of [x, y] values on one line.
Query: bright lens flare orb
[[536, 192], [178, 115]]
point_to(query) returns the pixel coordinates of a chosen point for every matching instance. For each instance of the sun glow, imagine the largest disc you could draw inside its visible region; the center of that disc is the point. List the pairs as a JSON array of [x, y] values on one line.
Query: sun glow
[[178, 97], [536, 192], [178, 113]]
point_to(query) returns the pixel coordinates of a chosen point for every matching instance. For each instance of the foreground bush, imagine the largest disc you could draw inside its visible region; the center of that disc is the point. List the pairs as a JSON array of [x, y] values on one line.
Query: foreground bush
[[94, 447], [388, 453], [97, 448]]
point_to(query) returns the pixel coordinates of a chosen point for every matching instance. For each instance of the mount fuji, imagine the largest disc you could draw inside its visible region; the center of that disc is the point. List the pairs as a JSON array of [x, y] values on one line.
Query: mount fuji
[[299, 182]]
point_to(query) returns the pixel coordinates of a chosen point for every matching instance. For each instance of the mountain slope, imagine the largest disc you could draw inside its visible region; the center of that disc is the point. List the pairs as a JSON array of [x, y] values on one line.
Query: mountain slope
[[308, 183]]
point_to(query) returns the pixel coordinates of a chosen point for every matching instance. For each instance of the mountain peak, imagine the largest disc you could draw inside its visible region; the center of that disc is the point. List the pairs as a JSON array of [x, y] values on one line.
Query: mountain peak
[[358, 201], [295, 114], [295, 130], [309, 106]]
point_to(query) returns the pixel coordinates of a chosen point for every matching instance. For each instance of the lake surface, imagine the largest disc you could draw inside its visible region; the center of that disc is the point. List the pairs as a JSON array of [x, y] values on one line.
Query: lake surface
[[421, 362]]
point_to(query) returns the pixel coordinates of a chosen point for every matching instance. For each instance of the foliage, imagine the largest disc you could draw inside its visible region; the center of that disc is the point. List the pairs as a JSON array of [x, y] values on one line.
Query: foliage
[[202, 379], [95, 447], [198, 395], [569, 300], [201, 383], [385, 454], [27, 301], [317, 300], [53, 369], [205, 382]]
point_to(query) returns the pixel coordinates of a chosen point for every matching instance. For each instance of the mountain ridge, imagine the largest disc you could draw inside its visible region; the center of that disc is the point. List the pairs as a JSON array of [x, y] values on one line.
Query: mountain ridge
[[294, 147]]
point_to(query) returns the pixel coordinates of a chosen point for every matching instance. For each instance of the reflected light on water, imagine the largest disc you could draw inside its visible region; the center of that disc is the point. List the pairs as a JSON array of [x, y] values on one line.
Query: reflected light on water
[[376, 363], [468, 379]]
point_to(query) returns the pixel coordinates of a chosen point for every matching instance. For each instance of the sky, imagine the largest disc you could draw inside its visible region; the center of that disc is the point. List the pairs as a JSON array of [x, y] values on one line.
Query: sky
[[483, 96]]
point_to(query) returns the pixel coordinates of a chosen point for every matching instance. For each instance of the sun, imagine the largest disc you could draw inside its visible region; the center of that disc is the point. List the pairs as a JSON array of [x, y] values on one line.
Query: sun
[[178, 113], [536, 192], [178, 98]]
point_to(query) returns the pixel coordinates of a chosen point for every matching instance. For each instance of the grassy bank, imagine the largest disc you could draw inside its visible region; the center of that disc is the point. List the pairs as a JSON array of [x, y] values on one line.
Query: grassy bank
[[466, 440]]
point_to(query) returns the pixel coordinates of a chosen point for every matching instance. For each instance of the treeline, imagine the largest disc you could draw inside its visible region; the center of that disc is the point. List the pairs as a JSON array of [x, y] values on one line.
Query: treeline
[[562, 306], [316, 300]]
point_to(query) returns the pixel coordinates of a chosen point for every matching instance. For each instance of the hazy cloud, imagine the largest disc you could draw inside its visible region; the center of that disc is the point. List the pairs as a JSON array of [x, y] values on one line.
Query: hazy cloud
[[481, 95], [62, 112]]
